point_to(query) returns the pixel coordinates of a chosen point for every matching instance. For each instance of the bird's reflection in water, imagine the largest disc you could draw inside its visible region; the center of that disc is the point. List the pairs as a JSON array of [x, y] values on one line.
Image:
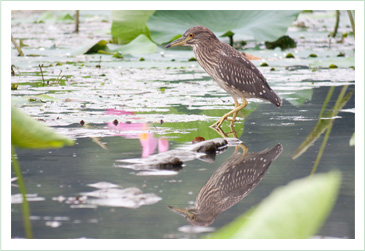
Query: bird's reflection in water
[[229, 184]]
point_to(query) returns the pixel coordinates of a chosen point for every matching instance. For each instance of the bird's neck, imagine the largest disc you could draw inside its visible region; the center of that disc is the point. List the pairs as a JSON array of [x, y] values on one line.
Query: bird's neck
[[205, 55]]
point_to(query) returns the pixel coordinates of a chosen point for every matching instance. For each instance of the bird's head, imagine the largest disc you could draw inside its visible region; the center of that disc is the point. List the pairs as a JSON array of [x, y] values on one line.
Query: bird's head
[[193, 216], [194, 36]]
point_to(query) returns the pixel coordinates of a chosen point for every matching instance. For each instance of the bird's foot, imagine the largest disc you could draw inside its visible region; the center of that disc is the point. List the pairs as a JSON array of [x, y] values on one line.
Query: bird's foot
[[219, 122], [225, 116]]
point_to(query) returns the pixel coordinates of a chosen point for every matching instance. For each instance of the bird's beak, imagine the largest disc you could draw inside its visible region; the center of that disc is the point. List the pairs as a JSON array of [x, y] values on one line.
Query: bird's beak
[[180, 41], [182, 211]]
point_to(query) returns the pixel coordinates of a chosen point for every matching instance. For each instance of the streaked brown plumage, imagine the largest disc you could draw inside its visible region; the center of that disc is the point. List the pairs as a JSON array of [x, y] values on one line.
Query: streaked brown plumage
[[229, 184], [229, 68]]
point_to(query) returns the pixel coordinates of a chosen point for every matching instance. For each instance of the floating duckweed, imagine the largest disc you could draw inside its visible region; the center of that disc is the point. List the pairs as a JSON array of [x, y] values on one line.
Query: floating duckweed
[[341, 54], [352, 67], [289, 55], [312, 55], [142, 59], [344, 35], [58, 64], [332, 66], [264, 64], [192, 59], [272, 69]]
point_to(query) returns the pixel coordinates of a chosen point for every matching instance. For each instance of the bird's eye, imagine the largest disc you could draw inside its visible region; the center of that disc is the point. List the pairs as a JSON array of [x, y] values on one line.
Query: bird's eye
[[193, 218], [191, 35]]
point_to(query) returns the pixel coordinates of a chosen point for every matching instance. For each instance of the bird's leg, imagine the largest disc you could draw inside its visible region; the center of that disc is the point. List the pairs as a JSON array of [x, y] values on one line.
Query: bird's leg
[[233, 119], [220, 132], [234, 111], [243, 147]]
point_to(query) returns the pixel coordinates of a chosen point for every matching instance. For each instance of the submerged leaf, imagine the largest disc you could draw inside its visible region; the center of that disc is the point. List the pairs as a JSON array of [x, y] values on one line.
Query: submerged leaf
[[299, 97], [294, 211], [29, 133]]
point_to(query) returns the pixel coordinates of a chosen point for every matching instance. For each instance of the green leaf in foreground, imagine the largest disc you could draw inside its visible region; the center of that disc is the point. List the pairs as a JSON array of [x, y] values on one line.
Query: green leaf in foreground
[[295, 211], [352, 140], [29, 133]]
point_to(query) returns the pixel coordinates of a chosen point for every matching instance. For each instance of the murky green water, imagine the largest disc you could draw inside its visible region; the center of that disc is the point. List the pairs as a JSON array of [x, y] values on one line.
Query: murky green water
[[160, 105]]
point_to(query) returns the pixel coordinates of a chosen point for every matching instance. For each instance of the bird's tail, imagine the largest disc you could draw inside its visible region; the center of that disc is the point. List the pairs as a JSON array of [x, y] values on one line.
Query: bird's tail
[[274, 98]]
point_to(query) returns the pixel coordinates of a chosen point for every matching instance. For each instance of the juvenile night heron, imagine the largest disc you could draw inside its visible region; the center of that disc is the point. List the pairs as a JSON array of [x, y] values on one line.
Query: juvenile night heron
[[229, 68], [229, 184]]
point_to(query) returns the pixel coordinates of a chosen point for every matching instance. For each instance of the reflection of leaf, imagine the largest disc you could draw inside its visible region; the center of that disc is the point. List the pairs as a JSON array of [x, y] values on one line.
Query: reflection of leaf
[[128, 24], [322, 124], [299, 97], [194, 129], [263, 25], [296, 210], [201, 128], [29, 133]]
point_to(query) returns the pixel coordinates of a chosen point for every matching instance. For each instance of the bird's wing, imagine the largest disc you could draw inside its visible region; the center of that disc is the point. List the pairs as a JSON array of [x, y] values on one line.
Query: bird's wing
[[239, 73]]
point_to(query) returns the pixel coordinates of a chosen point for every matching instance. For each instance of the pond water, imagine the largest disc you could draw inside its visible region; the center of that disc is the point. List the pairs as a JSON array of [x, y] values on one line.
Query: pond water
[[133, 110]]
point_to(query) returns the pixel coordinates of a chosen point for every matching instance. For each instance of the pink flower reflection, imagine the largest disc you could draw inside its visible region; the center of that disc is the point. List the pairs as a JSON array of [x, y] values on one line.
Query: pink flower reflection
[[148, 141]]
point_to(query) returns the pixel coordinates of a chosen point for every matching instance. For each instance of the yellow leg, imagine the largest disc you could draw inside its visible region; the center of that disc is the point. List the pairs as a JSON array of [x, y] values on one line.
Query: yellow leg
[[236, 104], [234, 112], [224, 134], [243, 147]]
